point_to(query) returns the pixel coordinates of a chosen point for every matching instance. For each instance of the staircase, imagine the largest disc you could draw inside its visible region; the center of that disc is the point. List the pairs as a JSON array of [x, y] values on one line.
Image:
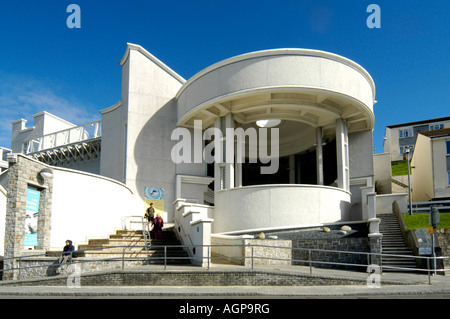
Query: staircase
[[393, 243], [134, 243]]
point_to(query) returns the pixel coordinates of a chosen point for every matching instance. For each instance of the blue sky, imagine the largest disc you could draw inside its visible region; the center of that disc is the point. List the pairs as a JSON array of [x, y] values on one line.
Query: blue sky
[[74, 73]]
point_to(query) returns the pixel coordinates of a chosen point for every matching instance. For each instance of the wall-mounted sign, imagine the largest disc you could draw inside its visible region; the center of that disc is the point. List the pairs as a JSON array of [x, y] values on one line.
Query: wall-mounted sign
[[156, 196], [31, 218]]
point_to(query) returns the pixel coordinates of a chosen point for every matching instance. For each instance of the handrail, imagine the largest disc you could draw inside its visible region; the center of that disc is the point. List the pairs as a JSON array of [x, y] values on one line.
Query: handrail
[[252, 257], [425, 206], [127, 218], [82, 134]]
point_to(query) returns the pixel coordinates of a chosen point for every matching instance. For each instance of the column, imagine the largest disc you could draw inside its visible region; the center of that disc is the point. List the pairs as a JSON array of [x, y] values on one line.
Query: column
[[230, 150], [238, 163], [292, 169], [319, 156], [218, 182], [224, 171], [342, 155]]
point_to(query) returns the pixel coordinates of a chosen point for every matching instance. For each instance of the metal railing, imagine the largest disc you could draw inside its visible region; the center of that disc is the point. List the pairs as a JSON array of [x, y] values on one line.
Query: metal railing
[[68, 136], [124, 256], [424, 207]]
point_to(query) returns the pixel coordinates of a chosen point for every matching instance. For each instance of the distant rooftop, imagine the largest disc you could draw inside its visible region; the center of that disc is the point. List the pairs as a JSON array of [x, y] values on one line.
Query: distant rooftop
[[421, 122], [436, 133]]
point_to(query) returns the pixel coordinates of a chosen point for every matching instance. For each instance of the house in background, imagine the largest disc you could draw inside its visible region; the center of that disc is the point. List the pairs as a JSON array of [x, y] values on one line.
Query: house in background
[[400, 136], [431, 166]]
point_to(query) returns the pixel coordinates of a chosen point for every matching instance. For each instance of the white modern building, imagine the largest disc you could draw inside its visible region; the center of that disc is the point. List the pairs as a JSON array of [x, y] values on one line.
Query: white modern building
[[431, 166], [400, 137], [318, 146]]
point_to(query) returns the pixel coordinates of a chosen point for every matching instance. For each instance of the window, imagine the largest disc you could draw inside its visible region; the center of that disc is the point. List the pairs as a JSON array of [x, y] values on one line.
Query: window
[[404, 133], [436, 126], [448, 147]]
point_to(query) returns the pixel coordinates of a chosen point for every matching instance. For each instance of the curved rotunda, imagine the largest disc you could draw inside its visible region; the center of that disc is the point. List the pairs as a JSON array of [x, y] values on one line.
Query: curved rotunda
[[322, 106]]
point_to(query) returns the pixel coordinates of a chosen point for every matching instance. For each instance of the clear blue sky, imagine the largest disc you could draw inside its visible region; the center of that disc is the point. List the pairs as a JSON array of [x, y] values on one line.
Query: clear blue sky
[[74, 73]]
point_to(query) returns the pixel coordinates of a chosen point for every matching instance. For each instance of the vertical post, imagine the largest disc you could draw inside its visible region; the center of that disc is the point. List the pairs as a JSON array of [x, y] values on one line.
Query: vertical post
[[229, 151], [310, 263], [208, 256], [218, 183], [408, 151], [123, 258], [165, 257], [319, 156], [252, 257], [342, 154], [433, 254]]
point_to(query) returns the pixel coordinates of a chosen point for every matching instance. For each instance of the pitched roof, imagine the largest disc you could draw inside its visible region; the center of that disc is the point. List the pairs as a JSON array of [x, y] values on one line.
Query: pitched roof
[[436, 133], [441, 119]]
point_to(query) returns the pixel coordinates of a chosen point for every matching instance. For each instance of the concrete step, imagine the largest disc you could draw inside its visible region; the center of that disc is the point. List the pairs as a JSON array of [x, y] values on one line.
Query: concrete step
[[134, 241], [393, 243]]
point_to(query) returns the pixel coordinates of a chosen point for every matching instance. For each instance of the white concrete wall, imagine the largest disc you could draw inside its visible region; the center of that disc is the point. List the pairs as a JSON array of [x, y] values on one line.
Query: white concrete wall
[[86, 205], [193, 224], [383, 172], [440, 176], [422, 173], [288, 68], [114, 127], [151, 117], [361, 154], [384, 202], [278, 206]]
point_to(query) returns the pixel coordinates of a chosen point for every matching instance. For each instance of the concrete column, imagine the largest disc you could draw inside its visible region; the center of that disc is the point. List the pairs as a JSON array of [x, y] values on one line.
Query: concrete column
[[292, 169], [319, 156], [238, 165], [229, 151], [218, 184], [342, 155]]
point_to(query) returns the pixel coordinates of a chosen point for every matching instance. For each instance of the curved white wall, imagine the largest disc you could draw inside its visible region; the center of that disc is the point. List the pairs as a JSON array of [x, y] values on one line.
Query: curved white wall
[[87, 205], [278, 206], [284, 68]]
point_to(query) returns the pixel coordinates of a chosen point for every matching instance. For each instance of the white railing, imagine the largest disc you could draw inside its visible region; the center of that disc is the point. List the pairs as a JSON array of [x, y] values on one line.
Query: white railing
[[65, 137]]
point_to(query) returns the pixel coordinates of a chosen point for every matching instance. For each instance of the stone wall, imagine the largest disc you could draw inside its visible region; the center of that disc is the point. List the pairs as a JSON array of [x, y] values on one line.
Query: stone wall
[[23, 172], [187, 278], [443, 239], [41, 267], [267, 252], [324, 259]]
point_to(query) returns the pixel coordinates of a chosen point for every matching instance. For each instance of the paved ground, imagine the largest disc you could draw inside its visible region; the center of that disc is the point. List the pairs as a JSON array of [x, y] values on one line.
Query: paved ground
[[411, 286]]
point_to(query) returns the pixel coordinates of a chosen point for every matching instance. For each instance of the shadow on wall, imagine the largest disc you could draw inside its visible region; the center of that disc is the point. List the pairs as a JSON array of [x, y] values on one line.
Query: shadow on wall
[[152, 154], [346, 210], [351, 212]]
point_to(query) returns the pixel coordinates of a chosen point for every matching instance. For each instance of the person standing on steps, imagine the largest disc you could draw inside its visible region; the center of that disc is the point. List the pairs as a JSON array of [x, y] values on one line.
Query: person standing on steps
[[158, 224], [150, 215]]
